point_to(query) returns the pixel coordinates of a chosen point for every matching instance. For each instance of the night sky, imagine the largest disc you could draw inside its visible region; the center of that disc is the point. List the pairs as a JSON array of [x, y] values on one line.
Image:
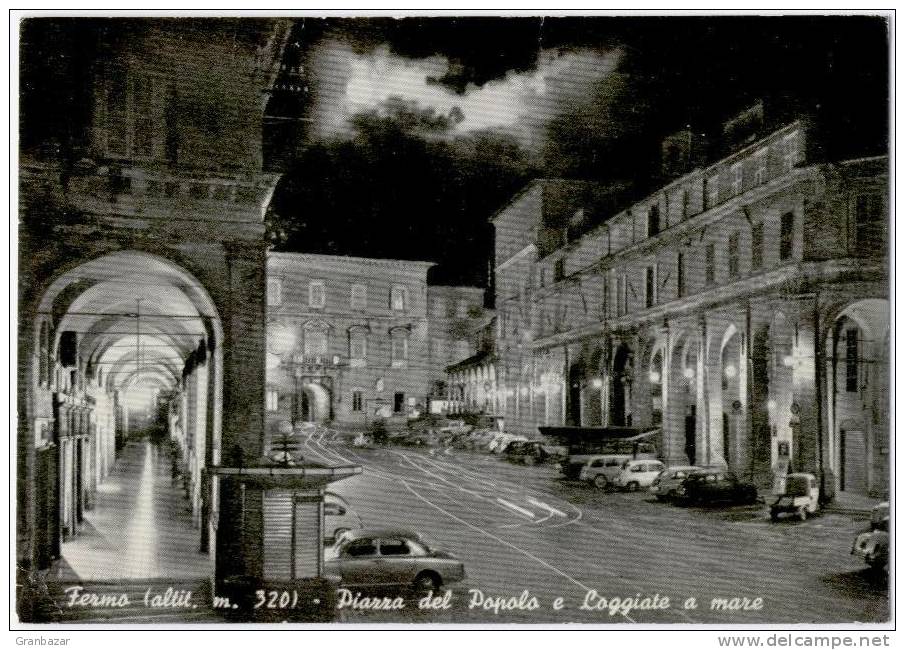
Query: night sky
[[586, 98], [414, 132]]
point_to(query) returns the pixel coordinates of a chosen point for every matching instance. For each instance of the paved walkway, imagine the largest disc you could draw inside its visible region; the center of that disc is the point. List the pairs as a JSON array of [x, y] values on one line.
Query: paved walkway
[[139, 527]]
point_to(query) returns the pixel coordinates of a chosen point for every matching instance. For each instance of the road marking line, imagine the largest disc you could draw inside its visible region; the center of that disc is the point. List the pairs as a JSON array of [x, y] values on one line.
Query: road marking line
[[547, 507], [505, 543], [519, 509]]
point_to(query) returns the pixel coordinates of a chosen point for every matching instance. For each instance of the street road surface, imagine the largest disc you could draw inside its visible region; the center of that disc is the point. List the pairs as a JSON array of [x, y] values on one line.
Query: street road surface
[[523, 528]]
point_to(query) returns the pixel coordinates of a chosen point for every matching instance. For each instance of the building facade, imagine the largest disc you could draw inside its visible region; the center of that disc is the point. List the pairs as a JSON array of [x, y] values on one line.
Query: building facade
[[347, 340], [472, 381], [742, 310], [455, 315]]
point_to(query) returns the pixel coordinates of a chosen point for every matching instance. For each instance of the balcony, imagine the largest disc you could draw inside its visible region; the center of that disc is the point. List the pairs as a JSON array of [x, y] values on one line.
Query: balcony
[[307, 363]]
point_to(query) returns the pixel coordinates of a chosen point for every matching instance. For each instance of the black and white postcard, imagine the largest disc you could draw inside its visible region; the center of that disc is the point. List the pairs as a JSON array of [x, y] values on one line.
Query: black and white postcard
[[437, 320]]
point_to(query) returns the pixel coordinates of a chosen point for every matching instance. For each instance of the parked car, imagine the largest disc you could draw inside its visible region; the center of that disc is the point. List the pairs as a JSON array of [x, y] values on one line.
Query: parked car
[[338, 516], [800, 497], [479, 440], [530, 452], [424, 438], [714, 486], [637, 474], [454, 426], [461, 440], [392, 557], [601, 470], [873, 544], [499, 444], [447, 437], [665, 485]]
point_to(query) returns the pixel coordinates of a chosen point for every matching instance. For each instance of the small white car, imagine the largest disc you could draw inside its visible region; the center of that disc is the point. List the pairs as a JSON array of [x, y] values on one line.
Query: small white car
[[637, 474], [666, 485]]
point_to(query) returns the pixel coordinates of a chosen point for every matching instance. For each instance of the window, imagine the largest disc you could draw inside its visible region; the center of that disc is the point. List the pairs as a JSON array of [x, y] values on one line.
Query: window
[[711, 191], [398, 402], [273, 400], [732, 256], [399, 349], [760, 167], [316, 295], [757, 246], [361, 548], [315, 341], [650, 286], [44, 355], [786, 234], [851, 361], [624, 294], [357, 404], [358, 347], [135, 114], [737, 178], [394, 547], [869, 223], [653, 220], [398, 298], [559, 269], [621, 295], [274, 292], [605, 294], [359, 297], [117, 115], [710, 264], [680, 275], [790, 151]]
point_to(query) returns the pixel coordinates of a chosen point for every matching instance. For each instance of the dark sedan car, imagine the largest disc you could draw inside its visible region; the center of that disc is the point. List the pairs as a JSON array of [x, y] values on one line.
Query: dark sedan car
[[530, 452], [708, 487]]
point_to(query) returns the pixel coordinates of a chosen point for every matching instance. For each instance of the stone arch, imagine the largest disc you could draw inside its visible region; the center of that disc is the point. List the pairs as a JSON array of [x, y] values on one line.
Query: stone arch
[[135, 322], [316, 402], [732, 438], [858, 397], [681, 426], [621, 377]]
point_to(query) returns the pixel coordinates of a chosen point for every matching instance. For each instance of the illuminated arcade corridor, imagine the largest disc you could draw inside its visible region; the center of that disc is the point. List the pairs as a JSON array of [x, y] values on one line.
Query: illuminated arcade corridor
[[141, 527], [128, 386]]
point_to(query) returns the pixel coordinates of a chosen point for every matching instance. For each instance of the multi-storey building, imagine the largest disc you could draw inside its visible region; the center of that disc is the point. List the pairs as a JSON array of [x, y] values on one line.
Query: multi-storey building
[[347, 339], [742, 310], [472, 382], [455, 314]]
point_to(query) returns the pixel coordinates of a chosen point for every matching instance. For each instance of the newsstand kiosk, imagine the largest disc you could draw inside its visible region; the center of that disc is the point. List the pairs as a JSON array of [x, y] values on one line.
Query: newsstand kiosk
[[269, 562]]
